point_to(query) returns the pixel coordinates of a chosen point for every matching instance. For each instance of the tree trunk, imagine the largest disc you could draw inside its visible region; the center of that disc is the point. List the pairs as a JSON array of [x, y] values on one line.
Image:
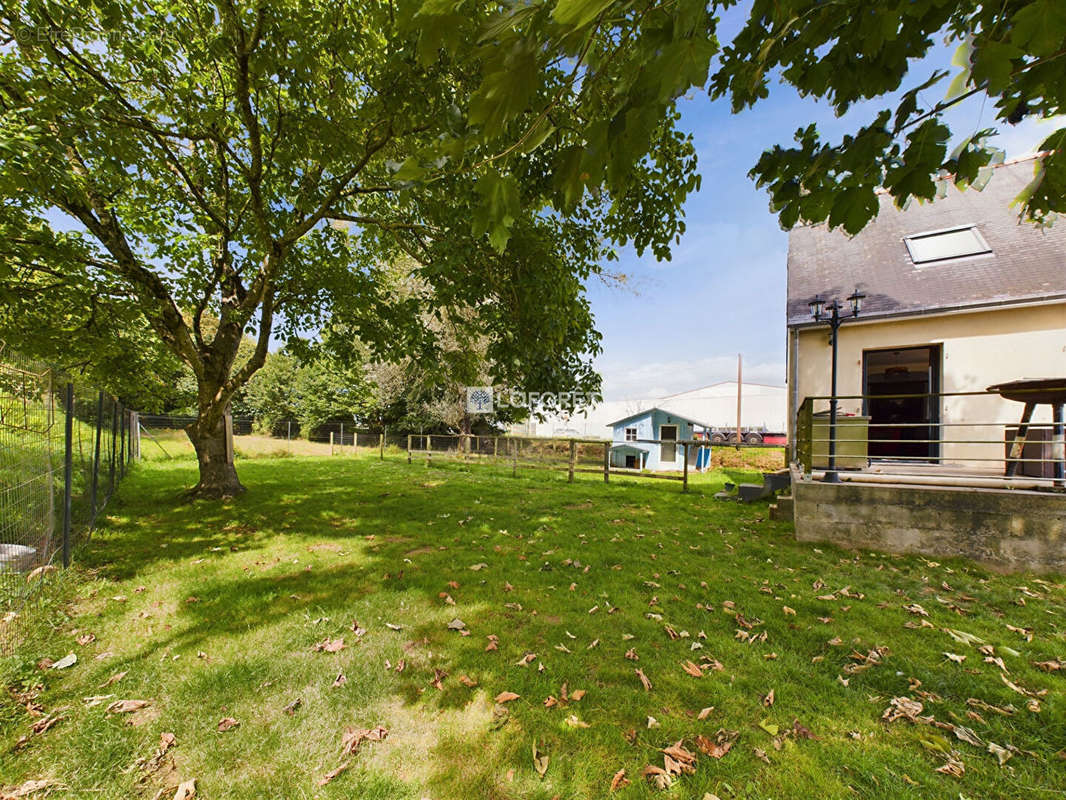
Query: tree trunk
[[218, 475]]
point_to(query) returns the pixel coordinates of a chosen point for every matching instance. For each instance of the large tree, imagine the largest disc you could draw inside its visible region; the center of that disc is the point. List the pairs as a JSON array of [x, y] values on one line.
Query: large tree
[[1010, 54], [194, 156], [198, 157]]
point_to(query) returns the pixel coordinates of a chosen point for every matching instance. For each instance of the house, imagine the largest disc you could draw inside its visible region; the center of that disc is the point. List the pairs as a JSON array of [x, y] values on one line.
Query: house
[[960, 295], [645, 440], [762, 409]]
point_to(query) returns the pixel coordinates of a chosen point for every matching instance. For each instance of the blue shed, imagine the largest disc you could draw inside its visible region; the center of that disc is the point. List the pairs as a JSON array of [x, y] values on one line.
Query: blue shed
[[644, 440]]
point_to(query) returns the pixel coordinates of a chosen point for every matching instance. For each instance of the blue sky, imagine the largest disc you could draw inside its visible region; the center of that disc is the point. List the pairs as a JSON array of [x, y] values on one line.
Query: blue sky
[[682, 322]]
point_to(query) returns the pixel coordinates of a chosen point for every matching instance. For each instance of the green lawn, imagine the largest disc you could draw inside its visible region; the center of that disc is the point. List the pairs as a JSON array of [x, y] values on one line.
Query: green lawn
[[213, 611]]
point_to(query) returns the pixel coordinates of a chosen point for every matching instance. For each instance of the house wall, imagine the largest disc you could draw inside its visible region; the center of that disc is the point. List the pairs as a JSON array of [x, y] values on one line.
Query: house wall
[[980, 348], [1007, 529], [649, 426]]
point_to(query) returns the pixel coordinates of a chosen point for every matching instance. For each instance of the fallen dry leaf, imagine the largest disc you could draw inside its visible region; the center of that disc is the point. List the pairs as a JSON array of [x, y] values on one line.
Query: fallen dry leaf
[[953, 767], [691, 669], [657, 777], [768, 699], [186, 790], [506, 697], [644, 680], [114, 679], [29, 788], [619, 780], [540, 760], [577, 695], [705, 712], [438, 679], [329, 646], [353, 737], [902, 708], [333, 773], [717, 747], [467, 681], [227, 723], [126, 706]]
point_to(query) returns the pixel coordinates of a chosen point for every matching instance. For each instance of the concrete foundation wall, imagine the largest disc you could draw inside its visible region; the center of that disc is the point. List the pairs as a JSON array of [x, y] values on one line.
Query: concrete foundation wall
[[1006, 529]]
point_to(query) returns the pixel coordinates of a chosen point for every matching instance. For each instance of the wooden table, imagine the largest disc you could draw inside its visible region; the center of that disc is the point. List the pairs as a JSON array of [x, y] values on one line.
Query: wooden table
[[1049, 391]]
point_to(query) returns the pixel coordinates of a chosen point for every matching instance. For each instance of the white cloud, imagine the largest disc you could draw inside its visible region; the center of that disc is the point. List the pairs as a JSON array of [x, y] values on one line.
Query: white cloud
[[622, 381]]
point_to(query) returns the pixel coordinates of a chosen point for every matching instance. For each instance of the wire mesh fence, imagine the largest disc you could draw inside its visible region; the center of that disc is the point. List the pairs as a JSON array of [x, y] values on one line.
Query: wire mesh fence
[[64, 447]]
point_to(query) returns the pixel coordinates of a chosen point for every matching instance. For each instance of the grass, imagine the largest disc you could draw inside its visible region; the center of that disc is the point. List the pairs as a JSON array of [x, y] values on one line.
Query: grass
[[213, 610]]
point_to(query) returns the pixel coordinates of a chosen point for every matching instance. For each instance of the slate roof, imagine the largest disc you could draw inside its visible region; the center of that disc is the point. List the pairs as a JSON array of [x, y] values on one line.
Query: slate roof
[[1026, 263]]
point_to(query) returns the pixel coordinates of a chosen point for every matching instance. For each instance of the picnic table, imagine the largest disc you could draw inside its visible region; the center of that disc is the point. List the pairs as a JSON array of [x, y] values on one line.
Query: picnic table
[[1034, 392]]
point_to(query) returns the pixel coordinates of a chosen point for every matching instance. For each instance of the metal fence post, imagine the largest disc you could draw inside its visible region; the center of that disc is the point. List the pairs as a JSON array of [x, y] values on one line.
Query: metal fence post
[[114, 445], [96, 454], [122, 443], [68, 471]]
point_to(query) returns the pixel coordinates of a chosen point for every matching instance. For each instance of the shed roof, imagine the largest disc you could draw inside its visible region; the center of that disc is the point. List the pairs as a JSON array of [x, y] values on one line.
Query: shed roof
[[1026, 263], [666, 411]]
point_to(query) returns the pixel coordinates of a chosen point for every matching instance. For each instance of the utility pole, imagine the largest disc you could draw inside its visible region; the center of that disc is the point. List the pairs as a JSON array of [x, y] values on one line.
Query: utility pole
[[739, 384]]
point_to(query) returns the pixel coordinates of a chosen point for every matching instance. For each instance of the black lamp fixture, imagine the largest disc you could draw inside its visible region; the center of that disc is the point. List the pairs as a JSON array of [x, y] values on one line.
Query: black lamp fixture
[[821, 311]]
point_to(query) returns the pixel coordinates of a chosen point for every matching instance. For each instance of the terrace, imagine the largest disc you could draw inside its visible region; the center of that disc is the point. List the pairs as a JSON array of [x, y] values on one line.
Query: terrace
[[949, 473]]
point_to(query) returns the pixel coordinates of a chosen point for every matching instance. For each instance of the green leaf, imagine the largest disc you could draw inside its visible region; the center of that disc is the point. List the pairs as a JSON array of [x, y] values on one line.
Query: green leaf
[[578, 13], [509, 84], [409, 170], [497, 210]]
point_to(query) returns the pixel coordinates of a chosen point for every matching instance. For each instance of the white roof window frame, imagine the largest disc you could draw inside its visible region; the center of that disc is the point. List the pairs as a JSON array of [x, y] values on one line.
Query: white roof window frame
[[981, 246]]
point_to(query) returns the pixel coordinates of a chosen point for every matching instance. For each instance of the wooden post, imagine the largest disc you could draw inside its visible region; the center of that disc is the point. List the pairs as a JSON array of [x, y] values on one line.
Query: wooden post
[[427, 442], [408, 448], [354, 437], [606, 462], [514, 458], [495, 447], [684, 484], [381, 447], [331, 442], [573, 455]]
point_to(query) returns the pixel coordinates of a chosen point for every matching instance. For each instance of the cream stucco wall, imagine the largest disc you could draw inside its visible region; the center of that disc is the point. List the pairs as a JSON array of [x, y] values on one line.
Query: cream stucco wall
[[980, 348]]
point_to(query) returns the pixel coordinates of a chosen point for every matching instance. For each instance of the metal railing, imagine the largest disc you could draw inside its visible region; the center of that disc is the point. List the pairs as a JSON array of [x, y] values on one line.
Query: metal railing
[[972, 438]]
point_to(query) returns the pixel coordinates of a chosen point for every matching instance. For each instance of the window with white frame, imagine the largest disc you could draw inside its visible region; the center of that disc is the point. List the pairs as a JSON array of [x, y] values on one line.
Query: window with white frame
[[943, 245], [631, 434]]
